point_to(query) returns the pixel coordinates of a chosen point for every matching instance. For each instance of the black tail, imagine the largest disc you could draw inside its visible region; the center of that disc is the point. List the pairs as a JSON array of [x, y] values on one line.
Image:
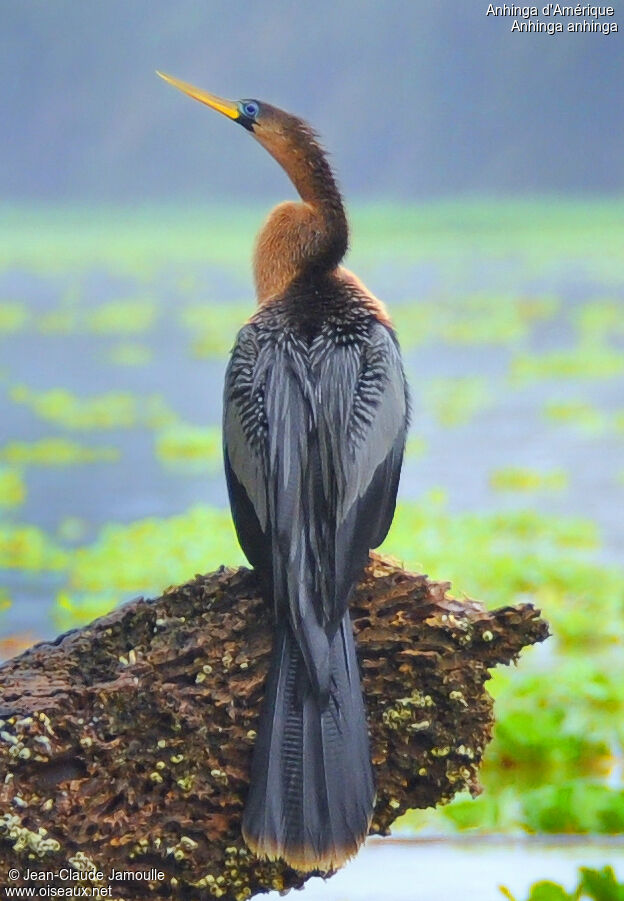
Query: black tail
[[311, 795]]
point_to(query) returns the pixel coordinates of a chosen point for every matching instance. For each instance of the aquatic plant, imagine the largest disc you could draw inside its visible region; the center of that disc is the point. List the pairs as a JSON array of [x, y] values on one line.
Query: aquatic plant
[[593, 885], [577, 413], [55, 452], [28, 548], [190, 447], [213, 326], [12, 487], [588, 360], [517, 478], [13, 316], [130, 354], [127, 316], [111, 410], [456, 401]]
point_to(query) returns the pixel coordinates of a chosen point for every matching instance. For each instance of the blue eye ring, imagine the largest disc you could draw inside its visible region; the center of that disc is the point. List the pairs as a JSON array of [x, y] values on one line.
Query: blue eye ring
[[249, 108]]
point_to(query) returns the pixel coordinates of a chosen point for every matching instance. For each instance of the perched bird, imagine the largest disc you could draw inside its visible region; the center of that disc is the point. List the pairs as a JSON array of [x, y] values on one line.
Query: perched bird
[[314, 426]]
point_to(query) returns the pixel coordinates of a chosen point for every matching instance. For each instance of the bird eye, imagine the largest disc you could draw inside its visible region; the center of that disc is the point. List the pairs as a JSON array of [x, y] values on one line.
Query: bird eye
[[249, 108]]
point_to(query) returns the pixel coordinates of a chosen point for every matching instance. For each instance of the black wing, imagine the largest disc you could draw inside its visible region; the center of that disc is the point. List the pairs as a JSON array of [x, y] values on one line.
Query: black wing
[[362, 425], [313, 444], [244, 447]]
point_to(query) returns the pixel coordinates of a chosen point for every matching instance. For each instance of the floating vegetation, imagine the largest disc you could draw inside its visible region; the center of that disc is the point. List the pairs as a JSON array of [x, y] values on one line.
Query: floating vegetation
[[515, 478], [5, 600], [472, 319], [589, 360], [513, 557], [62, 321], [130, 354], [28, 548], [601, 319], [456, 401], [415, 322], [72, 529], [214, 326], [593, 885], [12, 487], [13, 316], [549, 767], [117, 317], [55, 452], [535, 711], [78, 610], [113, 410], [506, 558], [134, 243], [577, 413], [496, 320], [190, 447], [145, 556], [128, 316], [559, 719], [416, 447]]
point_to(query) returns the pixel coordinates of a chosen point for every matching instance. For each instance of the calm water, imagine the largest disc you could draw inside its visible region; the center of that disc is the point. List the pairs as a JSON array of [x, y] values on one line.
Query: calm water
[[459, 871]]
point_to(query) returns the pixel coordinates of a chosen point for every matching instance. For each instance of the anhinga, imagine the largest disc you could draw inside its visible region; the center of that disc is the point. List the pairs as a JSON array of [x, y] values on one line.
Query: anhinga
[[314, 425]]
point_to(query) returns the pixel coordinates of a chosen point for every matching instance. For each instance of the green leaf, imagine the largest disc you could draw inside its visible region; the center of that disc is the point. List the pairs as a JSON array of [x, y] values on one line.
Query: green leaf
[[542, 891], [601, 885], [549, 891]]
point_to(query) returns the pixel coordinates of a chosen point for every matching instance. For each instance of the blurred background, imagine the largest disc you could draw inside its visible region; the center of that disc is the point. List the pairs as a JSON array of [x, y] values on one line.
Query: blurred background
[[484, 175]]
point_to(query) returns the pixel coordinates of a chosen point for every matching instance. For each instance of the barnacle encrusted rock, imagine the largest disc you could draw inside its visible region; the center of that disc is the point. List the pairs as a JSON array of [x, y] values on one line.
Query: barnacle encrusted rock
[[125, 746]]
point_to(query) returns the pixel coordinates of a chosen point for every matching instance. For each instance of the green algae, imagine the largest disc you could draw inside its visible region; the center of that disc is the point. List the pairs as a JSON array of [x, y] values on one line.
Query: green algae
[[12, 487], [593, 885], [130, 354], [14, 316], [588, 360], [559, 718], [461, 319], [504, 557], [416, 446], [5, 600], [521, 479], [456, 401], [600, 319], [128, 316], [61, 321], [112, 410], [24, 547], [497, 319], [55, 452], [579, 414], [213, 326], [189, 447], [72, 530], [145, 556]]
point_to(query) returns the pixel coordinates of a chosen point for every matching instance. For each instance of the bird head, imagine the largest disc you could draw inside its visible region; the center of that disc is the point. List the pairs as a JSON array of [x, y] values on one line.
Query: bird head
[[278, 131]]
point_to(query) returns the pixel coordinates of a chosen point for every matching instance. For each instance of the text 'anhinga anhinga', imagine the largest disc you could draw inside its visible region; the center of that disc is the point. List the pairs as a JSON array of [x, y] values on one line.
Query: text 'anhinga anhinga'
[[314, 425]]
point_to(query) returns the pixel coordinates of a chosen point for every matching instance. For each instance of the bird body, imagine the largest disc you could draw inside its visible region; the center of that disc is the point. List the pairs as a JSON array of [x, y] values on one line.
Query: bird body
[[314, 427]]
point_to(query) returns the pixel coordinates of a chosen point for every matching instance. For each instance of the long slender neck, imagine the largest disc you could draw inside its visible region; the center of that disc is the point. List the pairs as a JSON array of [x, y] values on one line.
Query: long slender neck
[[300, 238]]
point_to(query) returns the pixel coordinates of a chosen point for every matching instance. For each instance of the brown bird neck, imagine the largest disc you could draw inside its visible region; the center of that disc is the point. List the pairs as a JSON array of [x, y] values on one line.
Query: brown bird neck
[[300, 239]]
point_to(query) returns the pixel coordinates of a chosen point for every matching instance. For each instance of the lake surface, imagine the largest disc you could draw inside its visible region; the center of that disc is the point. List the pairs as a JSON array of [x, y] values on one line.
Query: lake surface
[[459, 870]]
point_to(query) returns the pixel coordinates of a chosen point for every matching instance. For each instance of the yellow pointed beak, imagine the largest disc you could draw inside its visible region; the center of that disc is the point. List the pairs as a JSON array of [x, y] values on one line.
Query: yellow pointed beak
[[227, 107]]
